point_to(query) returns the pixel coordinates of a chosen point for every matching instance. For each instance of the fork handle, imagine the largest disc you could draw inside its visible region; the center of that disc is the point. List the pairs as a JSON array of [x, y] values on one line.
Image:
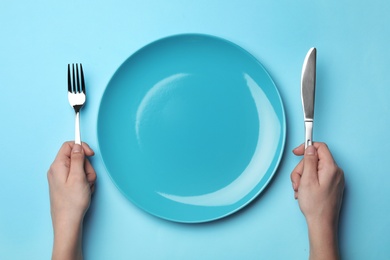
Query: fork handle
[[77, 138]]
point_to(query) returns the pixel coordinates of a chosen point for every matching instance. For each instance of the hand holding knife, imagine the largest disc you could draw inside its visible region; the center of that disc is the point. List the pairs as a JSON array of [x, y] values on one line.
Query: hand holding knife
[[308, 86]]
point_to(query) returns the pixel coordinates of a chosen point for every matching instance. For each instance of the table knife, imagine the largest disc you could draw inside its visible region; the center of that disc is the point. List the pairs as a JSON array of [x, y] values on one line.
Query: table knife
[[308, 87]]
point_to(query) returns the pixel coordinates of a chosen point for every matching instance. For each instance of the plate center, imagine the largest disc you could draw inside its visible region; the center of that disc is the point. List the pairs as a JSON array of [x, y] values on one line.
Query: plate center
[[198, 130]]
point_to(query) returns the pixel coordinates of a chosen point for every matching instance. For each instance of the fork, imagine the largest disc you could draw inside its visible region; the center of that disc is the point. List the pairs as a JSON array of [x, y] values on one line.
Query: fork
[[76, 95]]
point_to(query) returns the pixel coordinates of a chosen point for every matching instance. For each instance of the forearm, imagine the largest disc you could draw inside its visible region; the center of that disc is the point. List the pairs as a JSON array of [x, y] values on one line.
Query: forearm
[[323, 242], [67, 240]]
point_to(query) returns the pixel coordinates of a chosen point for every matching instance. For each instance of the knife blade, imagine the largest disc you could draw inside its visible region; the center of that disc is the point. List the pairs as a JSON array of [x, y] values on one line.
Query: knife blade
[[308, 87]]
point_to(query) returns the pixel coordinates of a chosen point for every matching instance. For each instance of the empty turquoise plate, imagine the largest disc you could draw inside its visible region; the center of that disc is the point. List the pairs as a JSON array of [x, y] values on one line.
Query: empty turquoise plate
[[191, 128]]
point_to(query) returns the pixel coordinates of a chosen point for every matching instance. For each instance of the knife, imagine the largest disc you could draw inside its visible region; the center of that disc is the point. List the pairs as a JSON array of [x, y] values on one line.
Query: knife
[[308, 87]]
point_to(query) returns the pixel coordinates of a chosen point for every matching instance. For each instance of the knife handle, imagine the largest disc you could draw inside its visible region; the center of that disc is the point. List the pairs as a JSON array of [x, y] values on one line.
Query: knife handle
[[308, 133]]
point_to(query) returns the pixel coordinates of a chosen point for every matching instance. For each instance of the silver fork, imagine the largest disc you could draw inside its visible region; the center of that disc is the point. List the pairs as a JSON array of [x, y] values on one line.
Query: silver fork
[[76, 95]]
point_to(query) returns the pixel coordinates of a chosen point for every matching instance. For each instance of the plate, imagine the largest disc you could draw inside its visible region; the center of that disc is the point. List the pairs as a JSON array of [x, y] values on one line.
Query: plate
[[191, 128]]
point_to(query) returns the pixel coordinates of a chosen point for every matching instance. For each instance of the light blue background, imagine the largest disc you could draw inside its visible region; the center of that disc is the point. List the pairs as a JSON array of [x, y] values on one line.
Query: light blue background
[[39, 38]]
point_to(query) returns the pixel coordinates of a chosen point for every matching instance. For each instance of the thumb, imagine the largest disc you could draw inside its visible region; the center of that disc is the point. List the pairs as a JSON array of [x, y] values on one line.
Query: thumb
[[77, 158], [310, 164]]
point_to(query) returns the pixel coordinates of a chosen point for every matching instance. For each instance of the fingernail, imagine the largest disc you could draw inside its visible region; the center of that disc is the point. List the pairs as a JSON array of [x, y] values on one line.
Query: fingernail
[[293, 185], [310, 150], [76, 148]]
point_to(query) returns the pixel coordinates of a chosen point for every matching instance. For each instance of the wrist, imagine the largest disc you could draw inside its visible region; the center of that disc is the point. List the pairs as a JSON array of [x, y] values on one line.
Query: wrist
[[323, 239], [66, 217], [67, 239], [322, 223], [63, 225]]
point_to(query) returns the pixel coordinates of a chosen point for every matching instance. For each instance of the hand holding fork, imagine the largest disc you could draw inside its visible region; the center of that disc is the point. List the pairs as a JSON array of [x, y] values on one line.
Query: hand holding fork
[[76, 95]]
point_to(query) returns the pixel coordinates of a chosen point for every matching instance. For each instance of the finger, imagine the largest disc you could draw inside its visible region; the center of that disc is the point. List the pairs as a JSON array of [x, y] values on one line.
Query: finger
[[310, 165], [296, 176], [324, 154], [77, 162], [90, 173], [59, 169], [295, 180], [87, 150], [67, 147], [300, 150], [64, 152]]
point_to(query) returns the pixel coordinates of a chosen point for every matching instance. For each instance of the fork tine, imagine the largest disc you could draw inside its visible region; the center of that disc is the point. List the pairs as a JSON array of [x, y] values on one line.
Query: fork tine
[[76, 83], [69, 80], [73, 80], [77, 86], [82, 79]]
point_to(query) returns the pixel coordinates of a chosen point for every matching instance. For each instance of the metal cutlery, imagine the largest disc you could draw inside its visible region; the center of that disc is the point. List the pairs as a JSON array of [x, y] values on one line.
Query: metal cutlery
[[308, 87], [76, 94]]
